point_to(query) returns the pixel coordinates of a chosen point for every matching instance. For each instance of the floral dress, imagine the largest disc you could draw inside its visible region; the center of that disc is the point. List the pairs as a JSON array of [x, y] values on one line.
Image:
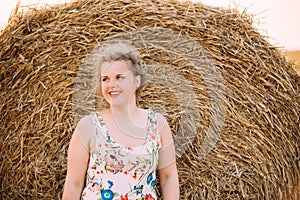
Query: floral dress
[[122, 173]]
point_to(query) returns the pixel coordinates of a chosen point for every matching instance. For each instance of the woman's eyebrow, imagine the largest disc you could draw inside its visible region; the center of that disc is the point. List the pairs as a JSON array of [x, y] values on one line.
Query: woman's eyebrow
[[125, 73], [116, 75]]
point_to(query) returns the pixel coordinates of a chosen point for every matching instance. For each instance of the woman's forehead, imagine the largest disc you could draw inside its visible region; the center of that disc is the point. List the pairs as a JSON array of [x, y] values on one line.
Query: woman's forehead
[[115, 67]]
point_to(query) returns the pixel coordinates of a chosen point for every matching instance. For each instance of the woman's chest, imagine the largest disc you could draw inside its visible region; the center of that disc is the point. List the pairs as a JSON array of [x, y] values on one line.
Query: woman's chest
[[126, 134]]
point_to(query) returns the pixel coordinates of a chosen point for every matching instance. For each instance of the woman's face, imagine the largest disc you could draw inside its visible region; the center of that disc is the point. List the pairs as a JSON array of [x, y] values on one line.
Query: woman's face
[[118, 83]]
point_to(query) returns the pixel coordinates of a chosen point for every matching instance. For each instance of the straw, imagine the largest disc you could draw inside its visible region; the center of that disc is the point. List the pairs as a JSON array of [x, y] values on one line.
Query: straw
[[43, 52]]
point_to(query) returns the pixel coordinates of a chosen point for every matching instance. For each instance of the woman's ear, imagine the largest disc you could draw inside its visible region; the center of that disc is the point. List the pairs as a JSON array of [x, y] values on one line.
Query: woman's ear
[[138, 81]]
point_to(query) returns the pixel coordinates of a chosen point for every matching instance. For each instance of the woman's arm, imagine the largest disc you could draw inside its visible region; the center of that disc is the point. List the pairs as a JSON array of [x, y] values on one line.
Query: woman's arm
[[169, 184], [77, 166], [167, 169]]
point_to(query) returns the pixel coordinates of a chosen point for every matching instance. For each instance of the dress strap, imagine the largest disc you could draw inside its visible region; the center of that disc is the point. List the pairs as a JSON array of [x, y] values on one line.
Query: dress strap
[[152, 121], [153, 134], [98, 124]]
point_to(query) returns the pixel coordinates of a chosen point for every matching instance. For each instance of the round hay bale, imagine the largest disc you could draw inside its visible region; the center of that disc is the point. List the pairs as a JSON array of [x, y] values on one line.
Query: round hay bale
[[232, 100]]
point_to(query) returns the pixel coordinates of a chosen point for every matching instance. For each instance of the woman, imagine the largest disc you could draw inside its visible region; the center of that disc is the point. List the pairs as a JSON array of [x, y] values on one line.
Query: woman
[[115, 153]]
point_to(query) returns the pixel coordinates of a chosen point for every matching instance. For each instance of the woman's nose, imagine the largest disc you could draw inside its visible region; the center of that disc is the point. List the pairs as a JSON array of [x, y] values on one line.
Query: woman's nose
[[113, 82]]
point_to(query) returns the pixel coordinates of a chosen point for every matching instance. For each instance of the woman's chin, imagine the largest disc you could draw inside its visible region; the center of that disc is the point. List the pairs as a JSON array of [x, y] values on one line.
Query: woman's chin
[[116, 103]]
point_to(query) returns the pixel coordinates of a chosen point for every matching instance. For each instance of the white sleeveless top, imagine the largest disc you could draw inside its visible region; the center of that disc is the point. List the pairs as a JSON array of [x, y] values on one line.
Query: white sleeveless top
[[118, 172]]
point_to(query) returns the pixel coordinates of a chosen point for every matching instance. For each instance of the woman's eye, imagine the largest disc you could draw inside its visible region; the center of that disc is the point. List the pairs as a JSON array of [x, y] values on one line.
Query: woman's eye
[[120, 77], [104, 79]]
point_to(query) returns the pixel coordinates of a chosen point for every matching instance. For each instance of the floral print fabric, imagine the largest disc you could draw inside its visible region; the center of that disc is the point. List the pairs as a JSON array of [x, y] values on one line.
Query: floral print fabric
[[122, 173]]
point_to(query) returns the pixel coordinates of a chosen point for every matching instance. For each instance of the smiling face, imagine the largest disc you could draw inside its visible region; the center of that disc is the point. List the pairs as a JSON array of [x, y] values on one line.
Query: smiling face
[[118, 83]]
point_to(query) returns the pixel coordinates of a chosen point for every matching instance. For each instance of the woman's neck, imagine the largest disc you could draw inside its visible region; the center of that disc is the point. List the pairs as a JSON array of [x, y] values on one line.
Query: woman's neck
[[124, 111], [128, 117]]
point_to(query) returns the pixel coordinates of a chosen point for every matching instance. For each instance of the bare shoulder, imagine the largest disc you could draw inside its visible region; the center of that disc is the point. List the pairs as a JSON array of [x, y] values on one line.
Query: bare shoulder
[[85, 120], [160, 117], [161, 121], [86, 131], [85, 125]]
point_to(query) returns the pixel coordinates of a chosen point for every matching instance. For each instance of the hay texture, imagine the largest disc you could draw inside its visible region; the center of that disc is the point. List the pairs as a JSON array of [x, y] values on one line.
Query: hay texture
[[254, 156]]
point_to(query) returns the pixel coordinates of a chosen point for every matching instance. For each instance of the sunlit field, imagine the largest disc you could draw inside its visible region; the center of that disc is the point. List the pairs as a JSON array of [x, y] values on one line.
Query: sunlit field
[[294, 56]]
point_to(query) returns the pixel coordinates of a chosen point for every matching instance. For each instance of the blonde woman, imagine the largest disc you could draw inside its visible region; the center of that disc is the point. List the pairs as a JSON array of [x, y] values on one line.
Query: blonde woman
[[115, 153]]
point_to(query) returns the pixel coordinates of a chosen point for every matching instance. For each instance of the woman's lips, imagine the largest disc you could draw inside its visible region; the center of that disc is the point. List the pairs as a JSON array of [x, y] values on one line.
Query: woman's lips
[[114, 93]]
